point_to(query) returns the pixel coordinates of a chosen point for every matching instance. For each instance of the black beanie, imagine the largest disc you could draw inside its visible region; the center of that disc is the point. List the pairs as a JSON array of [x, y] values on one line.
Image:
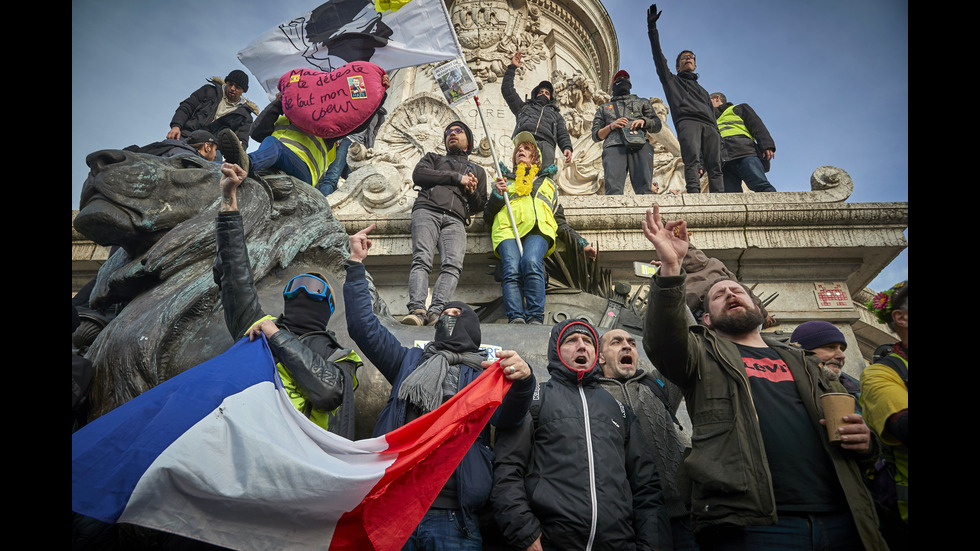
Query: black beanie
[[238, 77]]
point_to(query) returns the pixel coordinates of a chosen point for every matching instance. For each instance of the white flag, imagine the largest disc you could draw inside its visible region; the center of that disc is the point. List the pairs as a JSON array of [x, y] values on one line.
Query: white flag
[[341, 31]]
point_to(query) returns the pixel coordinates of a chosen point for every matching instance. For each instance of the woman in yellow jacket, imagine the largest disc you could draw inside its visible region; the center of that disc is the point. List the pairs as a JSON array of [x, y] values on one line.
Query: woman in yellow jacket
[[539, 218]]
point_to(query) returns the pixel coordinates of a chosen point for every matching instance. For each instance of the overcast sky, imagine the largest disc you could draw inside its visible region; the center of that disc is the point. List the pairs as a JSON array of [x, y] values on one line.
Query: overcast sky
[[829, 78]]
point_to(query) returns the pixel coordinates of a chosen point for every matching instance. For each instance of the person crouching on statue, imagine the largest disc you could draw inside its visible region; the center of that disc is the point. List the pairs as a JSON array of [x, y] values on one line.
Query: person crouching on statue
[[539, 219]]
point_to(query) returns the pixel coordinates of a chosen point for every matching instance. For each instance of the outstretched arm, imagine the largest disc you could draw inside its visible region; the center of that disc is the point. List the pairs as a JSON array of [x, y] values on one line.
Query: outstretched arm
[[666, 338], [375, 341], [232, 270], [232, 176], [514, 101], [518, 399], [659, 61]]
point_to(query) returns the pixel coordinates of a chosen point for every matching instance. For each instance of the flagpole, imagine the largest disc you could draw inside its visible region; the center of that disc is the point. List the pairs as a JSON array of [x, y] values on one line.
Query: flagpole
[[496, 165]]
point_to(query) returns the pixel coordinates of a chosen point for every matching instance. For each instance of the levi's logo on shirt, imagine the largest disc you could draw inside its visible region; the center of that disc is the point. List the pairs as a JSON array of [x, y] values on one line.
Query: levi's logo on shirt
[[775, 371]]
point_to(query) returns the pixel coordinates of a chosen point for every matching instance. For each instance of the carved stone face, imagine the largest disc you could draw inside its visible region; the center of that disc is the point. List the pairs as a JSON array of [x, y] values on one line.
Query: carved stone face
[[132, 199]]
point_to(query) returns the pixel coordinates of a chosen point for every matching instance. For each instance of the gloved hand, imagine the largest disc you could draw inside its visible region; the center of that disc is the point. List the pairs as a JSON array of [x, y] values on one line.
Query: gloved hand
[[652, 16]]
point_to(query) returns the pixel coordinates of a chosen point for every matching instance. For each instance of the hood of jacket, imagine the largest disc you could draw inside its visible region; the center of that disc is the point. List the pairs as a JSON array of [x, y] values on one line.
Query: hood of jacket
[[561, 370], [466, 130]]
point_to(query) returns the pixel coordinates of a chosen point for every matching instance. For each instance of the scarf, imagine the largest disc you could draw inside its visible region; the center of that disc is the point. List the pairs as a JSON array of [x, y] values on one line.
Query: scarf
[[437, 375]]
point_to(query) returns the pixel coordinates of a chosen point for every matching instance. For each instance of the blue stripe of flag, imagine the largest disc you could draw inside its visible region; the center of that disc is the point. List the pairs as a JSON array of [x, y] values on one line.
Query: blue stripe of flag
[[110, 455]]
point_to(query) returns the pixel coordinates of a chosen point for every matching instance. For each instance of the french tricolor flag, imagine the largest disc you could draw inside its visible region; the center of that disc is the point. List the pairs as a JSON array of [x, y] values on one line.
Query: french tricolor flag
[[218, 453]]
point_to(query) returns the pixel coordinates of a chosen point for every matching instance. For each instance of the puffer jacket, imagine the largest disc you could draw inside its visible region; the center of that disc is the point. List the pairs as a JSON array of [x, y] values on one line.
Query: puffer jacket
[[576, 472], [437, 179], [727, 469], [196, 112], [543, 120], [325, 384], [632, 107]]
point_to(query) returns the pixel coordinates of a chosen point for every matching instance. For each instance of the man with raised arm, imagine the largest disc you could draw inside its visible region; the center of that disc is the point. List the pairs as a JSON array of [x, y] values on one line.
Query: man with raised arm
[[762, 471], [421, 380], [539, 115], [692, 113], [316, 371]]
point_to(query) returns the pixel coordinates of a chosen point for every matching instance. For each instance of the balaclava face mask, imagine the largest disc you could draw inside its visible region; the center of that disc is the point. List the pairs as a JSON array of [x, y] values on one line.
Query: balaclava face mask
[[622, 87], [302, 315], [458, 333]]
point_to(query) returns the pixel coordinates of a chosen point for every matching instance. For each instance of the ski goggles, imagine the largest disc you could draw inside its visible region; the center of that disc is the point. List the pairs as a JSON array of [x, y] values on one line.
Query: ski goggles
[[316, 288]]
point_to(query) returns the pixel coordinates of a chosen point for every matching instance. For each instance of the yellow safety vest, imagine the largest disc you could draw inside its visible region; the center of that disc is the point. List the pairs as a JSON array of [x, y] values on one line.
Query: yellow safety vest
[[730, 124], [319, 416], [311, 149], [529, 212]]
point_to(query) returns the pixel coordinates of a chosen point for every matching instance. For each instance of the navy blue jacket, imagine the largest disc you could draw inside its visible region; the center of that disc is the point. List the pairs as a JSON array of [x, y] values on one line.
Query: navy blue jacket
[[474, 475]]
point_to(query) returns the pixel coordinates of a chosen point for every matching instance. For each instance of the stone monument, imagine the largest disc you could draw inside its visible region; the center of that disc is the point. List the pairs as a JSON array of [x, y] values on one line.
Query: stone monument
[[812, 251]]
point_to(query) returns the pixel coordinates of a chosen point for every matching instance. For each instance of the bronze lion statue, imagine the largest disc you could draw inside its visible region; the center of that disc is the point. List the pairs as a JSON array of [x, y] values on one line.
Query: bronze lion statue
[[160, 213]]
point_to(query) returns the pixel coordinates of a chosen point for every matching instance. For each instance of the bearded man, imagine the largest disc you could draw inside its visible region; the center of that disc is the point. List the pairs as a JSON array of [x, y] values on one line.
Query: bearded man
[[762, 472], [828, 344]]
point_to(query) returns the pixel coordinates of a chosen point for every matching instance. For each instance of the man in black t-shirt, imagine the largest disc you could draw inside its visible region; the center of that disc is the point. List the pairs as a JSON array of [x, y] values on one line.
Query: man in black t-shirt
[[762, 471]]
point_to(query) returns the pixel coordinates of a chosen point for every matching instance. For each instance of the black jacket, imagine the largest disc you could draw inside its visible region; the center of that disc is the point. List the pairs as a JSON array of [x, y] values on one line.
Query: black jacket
[[196, 112], [579, 454], [727, 472], [325, 384], [738, 147], [542, 120], [632, 107], [438, 179], [687, 99]]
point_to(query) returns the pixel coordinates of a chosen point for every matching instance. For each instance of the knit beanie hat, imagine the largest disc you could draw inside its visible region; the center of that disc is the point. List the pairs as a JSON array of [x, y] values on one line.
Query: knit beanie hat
[[238, 77], [813, 334]]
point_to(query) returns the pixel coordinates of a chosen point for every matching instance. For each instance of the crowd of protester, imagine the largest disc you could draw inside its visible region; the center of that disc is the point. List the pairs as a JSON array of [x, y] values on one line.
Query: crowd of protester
[[592, 458]]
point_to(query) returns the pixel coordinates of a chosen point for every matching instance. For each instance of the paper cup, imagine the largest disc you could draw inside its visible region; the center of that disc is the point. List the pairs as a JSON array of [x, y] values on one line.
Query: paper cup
[[835, 406]]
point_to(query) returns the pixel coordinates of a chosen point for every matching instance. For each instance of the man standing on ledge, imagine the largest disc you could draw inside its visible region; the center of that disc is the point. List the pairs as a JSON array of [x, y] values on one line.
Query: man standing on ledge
[[746, 146], [762, 472], [451, 189], [694, 118], [538, 115], [626, 116]]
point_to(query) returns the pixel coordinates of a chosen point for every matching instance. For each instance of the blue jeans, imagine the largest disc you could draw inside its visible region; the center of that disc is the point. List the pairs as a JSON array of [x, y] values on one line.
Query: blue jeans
[[749, 170], [271, 153], [433, 230], [832, 532], [443, 530], [328, 184], [523, 277]]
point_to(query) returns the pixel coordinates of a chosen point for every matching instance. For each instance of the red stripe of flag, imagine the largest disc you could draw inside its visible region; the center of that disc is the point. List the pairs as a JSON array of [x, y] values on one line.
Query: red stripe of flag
[[429, 449]]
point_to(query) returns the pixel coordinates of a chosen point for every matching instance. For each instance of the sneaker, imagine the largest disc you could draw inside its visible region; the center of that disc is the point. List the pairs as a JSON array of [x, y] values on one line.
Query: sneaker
[[231, 148], [517, 321], [535, 322], [431, 318], [417, 317]]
